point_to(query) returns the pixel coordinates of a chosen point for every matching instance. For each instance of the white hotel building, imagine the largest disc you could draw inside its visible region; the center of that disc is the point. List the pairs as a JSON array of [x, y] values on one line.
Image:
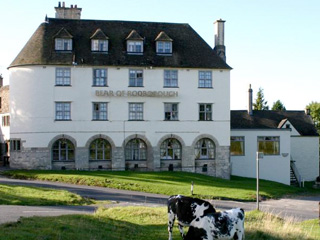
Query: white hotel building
[[116, 95]]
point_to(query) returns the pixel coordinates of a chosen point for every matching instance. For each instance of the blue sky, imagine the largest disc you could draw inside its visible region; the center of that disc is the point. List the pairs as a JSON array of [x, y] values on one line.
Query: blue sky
[[273, 44]]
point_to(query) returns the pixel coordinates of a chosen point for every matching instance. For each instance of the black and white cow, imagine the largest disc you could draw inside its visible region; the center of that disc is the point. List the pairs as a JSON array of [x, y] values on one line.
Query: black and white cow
[[220, 225], [186, 209]]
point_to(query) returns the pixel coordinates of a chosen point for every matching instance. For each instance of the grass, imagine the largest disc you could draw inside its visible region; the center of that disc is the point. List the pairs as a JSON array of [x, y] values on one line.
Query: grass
[[168, 183], [31, 196], [143, 223]]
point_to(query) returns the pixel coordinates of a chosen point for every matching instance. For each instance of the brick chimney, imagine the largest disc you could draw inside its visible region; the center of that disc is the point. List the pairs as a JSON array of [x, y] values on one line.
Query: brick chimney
[[68, 13], [219, 46]]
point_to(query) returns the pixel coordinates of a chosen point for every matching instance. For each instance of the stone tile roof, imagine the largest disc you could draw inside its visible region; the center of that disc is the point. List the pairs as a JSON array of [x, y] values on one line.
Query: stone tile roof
[[190, 50], [240, 119]]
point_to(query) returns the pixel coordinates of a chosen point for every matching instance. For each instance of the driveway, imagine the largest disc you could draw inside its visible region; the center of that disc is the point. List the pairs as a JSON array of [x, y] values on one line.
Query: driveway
[[298, 209]]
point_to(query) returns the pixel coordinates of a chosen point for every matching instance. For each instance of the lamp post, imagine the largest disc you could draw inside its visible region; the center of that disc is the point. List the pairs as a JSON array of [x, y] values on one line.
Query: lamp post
[[259, 156]]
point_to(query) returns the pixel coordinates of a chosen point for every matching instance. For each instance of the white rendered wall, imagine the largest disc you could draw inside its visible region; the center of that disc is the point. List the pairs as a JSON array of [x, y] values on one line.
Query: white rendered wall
[[272, 167], [305, 153], [33, 95]]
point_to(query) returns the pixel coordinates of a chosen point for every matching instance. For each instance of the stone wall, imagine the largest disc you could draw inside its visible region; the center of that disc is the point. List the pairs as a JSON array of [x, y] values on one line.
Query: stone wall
[[40, 158]]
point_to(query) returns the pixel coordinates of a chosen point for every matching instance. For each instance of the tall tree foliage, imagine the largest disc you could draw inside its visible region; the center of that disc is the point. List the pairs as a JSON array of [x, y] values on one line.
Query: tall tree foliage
[[314, 108], [278, 105], [261, 103]]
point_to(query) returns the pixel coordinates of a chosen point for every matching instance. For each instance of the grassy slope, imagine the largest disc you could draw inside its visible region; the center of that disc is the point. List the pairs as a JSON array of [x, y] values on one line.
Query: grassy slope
[[20, 195], [145, 224], [168, 183]]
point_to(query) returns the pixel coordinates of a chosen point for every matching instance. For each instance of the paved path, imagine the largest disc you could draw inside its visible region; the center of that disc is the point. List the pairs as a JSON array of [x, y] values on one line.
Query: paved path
[[299, 209]]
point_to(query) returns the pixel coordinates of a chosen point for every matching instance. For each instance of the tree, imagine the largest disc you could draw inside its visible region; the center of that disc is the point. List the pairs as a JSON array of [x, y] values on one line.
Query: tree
[[278, 105], [261, 103], [314, 108]]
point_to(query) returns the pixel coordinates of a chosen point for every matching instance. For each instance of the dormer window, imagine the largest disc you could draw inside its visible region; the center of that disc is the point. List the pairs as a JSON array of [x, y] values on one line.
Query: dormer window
[[63, 44], [99, 41], [63, 40], [134, 43], [163, 44], [98, 45], [164, 47], [134, 47]]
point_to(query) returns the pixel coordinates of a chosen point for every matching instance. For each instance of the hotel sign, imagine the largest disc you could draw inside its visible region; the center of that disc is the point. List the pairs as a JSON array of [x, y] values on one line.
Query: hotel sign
[[123, 93]]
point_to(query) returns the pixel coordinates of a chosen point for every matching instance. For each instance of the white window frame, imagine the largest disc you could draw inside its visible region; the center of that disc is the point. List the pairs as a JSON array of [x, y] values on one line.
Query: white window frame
[[133, 47], [135, 78], [63, 77], [237, 139], [100, 111], [205, 149], [205, 79], [171, 111], [63, 44], [99, 79], [99, 45], [62, 111], [136, 111], [164, 47], [207, 113], [170, 78], [266, 140]]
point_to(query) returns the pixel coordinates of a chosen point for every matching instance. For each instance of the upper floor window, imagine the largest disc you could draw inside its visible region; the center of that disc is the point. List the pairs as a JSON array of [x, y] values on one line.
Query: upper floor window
[[63, 111], [163, 43], [136, 111], [134, 43], [100, 77], [99, 45], [135, 78], [164, 47], [170, 78], [171, 111], [205, 112], [63, 76], [269, 145], [205, 79], [237, 146], [63, 44], [99, 111], [134, 46], [6, 121]]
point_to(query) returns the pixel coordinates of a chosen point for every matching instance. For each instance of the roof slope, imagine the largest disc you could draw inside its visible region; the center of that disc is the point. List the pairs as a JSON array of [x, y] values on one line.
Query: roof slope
[[189, 49], [240, 119]]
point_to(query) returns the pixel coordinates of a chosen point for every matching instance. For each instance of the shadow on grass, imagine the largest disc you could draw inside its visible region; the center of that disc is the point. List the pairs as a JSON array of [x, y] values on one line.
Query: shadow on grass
[[89, 227]]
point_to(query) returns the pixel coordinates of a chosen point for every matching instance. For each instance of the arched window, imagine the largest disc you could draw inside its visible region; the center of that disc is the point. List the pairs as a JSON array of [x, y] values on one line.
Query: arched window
[[63, 150], [205, 149], [136, 150], [170, 149], [100, 149]]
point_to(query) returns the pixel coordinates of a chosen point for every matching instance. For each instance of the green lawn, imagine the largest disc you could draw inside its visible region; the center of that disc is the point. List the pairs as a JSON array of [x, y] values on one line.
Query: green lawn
[[168, 183], [143, 223], [30, 196]]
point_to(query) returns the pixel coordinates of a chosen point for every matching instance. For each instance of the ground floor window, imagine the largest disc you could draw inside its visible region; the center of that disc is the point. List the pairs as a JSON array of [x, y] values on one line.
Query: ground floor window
[[100, 149], [237, 146], [269, 145], [205, 149], [170, 149], [136, 150], [63, 150]]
